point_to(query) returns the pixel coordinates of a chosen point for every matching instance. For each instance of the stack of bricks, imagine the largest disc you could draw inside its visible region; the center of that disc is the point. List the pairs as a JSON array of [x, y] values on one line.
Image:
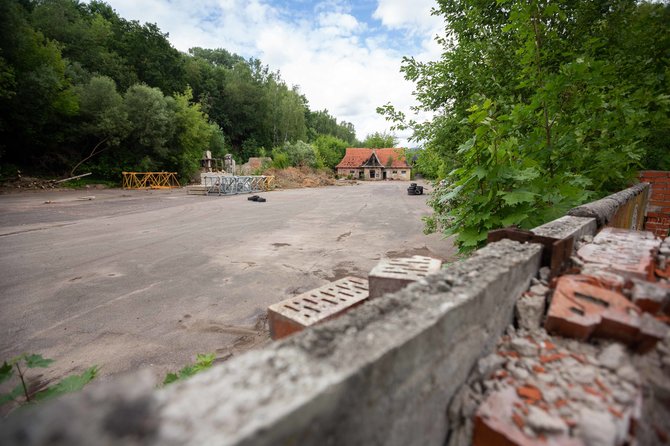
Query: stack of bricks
[[658, 209], [334, 299]]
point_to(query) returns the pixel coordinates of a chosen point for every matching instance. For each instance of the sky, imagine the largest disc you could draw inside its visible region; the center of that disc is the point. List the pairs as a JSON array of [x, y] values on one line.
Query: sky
[[345, 56]]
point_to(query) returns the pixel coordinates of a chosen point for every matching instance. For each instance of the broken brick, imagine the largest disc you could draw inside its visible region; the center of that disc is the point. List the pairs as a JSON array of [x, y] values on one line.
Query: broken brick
[[531, 393], [549, 345], [591, 390], [616, 413], [581, 309], [497, 423], [578, 357], [539, 369], [623, 251], [650, 297], [551, 358], [602, 386]]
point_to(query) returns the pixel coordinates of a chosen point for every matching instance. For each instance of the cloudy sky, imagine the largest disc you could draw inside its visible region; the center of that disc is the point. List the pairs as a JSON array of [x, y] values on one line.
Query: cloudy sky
[[344, 55]]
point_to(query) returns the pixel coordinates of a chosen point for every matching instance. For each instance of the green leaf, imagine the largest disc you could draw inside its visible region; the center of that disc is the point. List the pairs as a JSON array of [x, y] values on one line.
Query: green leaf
[[514, 219], [37, 361], [6, 372], [518, 196], [11, 396], [471, 237], [467, 145], [69, 384], [205, 360], [170, 378]]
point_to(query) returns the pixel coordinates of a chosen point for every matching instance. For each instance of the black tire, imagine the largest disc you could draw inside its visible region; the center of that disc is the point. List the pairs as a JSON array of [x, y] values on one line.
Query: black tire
[[261, 200], [253, 198]]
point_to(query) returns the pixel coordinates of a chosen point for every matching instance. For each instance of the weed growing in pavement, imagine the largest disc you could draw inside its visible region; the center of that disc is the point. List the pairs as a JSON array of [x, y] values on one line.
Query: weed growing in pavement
[[202, 362], [22, 393]]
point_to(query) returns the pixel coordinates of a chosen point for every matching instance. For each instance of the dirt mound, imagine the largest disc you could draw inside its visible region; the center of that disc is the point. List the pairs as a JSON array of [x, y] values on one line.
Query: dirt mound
[[296, 177], [22, 182]]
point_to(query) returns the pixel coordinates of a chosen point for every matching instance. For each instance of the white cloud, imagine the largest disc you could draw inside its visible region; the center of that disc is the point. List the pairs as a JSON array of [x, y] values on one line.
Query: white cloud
[[401, 14], [339, 62]]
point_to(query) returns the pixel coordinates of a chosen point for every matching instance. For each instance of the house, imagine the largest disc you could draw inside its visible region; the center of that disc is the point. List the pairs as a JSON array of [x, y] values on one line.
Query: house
[[374, 164]]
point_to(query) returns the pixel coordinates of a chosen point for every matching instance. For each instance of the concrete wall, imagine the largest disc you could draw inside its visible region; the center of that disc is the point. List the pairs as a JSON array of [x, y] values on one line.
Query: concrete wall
[[623, 209], [383, 374]]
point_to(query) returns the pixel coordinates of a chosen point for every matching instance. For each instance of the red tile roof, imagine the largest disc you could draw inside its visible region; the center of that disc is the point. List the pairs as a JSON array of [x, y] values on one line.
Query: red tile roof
[[390, 157]]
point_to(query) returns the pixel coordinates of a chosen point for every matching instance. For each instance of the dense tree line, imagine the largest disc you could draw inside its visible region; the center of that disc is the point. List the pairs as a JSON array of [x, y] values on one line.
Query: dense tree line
[[539, 105], [82, 88]]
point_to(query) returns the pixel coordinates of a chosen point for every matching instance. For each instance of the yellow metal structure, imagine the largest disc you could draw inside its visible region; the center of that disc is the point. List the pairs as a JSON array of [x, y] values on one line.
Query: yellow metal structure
[[150, 180], [269, 183]]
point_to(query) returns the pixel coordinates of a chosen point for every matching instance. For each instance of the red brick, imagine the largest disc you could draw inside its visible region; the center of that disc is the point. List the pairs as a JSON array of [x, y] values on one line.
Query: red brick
[[615, 412], [654, 173], [498, 424], [623, 251], [602, 386], [551, 358], [592, 391], [549, 345], [392, 275], [518, 421], [327, 302], [578, 357], [529, 392], [580, 309]]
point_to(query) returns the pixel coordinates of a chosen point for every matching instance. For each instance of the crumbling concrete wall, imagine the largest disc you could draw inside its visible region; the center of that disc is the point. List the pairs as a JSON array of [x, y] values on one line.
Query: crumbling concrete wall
[[623, 209], [382, 374]]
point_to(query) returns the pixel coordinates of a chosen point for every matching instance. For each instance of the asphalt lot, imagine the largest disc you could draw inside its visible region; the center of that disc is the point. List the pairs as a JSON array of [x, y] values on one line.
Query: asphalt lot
[[135, 279]]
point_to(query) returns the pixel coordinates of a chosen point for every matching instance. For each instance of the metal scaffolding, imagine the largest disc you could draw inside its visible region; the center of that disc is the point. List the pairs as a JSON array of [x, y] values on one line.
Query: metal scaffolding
[[150, 180], [231, 185]]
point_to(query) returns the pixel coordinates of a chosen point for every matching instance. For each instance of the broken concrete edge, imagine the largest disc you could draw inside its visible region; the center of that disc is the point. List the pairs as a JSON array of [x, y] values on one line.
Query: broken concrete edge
[[568, 227], [382, 374], [604, 209]]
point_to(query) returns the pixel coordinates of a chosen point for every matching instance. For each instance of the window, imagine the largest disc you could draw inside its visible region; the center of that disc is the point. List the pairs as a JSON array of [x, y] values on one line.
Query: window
[[395, 171], [403, 172], [352, 172], [372, 174]]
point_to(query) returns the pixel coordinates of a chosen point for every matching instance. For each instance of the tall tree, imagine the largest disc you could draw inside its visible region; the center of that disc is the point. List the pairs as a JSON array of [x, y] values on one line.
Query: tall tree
[[380, 140], [540, 105]]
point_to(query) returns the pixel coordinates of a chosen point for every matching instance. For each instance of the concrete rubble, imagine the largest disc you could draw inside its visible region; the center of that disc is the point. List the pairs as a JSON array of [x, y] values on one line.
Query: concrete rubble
[[595, 370]]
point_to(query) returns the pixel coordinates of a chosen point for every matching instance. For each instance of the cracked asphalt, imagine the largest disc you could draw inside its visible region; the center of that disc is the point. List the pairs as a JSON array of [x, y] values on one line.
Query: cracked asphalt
[[137, 279]]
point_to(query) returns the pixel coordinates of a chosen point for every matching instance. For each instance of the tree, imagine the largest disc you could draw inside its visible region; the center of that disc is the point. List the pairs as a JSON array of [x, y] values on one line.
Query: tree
[[301, 154], [37, 98], [105, 120], [379, 140], [330, 150], [539, 106], [151, 125], [193, 134]]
